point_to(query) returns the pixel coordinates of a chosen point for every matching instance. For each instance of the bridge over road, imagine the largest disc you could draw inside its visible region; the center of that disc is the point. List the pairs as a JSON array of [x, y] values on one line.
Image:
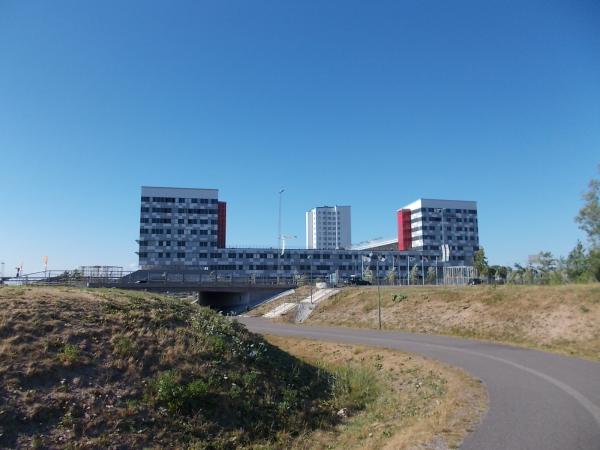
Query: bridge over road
[[216, 290]]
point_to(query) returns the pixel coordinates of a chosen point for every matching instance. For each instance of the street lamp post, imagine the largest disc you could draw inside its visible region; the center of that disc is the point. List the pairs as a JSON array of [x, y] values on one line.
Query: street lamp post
[[309, 257], [377, 260], [281, 191]]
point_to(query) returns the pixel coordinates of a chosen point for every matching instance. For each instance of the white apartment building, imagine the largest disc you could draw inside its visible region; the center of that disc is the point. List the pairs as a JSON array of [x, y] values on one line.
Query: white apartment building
[[328, 227]]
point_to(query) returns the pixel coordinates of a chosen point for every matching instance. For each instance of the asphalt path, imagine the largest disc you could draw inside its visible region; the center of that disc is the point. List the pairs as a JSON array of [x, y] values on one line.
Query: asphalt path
[[537, 400]]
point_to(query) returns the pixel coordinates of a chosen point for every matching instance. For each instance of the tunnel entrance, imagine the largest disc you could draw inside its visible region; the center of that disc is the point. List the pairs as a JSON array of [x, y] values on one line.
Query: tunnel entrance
[[234, 302]]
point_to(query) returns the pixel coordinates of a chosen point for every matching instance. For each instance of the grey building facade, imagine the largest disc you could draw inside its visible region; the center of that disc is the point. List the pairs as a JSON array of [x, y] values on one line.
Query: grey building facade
[[184, 229], [177, 224]]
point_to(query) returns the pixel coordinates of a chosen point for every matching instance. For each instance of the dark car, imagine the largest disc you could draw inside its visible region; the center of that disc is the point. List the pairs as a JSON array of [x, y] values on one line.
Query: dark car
[[358, 281], [474, 281]]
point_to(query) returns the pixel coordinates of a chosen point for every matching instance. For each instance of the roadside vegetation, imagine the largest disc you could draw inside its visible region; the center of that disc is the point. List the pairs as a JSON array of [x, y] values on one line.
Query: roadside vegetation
[[563, 318], [101, 369], [582, 264], [116, 369], [406, 401]]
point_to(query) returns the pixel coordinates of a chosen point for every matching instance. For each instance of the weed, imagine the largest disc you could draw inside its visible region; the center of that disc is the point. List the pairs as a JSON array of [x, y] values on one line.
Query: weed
[[124, 346], [36, 442], [353, 387], [69, 354], [397, 298]]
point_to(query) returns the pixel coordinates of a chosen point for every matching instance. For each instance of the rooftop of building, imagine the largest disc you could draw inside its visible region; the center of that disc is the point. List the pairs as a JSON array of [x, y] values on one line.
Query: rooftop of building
[[440, 203], [190, 192]]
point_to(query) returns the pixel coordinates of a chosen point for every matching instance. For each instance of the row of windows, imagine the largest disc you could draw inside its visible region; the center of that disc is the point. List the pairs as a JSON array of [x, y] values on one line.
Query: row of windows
[[226, 267], [196, 211], [179, 221], [437, 247], [179, 200], [179, 232], [165, 210], [446, 219], [215, 255], [154, 220], [446, 210], [433, 228], [449, 238]]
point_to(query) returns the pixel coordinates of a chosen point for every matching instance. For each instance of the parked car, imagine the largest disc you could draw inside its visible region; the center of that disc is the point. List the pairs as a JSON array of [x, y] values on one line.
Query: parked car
[[358, 281], [474, 281]]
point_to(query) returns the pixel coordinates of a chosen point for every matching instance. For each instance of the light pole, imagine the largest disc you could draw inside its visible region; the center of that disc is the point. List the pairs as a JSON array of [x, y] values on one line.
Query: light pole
[[281, 191], [309, 257], [377, 260]]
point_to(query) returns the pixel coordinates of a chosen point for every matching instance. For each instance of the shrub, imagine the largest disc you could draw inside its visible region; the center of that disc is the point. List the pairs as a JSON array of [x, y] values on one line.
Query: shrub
[[69, 354]]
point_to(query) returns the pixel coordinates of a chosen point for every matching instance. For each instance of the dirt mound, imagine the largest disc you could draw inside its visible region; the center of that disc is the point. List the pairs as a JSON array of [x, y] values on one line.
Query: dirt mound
[[112, 369]]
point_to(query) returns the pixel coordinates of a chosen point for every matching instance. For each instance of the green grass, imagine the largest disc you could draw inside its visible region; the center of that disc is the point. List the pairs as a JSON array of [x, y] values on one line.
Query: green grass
[[184, 374], [69, 354]]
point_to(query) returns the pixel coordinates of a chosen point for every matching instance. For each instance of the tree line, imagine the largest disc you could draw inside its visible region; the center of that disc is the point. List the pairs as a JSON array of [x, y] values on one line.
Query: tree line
[[581, 265]]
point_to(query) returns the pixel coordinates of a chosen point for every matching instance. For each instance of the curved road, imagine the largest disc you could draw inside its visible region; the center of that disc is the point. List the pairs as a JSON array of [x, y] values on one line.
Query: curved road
[[538, 400]]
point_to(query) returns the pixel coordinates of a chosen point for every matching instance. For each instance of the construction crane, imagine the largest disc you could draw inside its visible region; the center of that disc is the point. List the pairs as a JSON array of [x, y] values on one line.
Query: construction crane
[[283, 239]]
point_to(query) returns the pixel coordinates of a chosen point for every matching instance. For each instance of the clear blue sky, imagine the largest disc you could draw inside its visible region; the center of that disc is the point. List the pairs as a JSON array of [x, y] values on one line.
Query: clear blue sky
[[372, 104]]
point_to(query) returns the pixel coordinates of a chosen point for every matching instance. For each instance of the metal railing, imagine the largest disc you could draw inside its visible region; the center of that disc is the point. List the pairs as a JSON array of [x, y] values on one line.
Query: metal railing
[[144, 277]]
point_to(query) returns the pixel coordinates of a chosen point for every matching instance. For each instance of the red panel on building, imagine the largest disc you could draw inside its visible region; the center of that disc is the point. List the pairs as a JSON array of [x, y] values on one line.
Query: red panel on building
[[221, 224], [404, 230]]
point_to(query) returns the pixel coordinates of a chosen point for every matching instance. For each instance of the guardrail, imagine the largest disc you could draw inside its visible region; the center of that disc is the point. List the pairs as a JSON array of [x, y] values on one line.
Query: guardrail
[[145, 277]]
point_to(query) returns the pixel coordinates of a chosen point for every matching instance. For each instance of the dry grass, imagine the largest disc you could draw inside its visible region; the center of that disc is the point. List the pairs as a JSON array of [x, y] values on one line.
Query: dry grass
[[117, 369], [420, 403], [564, 319]]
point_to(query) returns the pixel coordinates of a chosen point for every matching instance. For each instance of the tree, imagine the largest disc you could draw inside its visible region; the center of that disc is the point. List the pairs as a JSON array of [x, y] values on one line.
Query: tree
[[546, 261], [518, 273], [577, 263], [589, 215], [480, 262], [593, 261], [391, 276], [414, 274], [431, 275], [503, 272]]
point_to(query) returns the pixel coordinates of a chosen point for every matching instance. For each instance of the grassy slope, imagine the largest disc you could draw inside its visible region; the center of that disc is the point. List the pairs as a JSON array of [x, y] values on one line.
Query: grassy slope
[[115, 369], [94, 369], [565, 319], [413, 402]]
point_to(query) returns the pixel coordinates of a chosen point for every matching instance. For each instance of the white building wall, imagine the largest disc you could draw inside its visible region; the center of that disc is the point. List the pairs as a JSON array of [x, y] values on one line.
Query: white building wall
[[330, 229]]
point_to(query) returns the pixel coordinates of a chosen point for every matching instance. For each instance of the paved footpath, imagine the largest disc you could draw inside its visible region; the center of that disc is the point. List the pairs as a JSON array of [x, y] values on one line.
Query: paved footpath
[[538, 400]]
